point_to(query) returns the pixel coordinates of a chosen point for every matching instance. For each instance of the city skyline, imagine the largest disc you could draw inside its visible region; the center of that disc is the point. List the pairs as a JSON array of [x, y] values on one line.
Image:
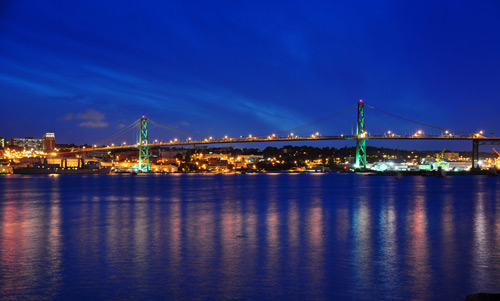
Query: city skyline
[[87, 69]]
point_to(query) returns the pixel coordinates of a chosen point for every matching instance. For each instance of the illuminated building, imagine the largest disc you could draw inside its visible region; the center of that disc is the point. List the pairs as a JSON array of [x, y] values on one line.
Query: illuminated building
[[451, 156], [27, 142], [49, 141]]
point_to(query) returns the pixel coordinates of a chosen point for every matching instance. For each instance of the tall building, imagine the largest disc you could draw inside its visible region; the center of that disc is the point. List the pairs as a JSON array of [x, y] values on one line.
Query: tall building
[[2, 142], [49, 141]]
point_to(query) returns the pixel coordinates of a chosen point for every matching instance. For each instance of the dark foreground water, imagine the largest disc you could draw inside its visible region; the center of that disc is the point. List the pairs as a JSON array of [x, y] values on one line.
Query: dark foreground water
[[266, 236]]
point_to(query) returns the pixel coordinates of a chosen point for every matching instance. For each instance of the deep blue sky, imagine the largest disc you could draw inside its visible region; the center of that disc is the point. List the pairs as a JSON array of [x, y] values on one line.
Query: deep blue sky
[[83, 69]]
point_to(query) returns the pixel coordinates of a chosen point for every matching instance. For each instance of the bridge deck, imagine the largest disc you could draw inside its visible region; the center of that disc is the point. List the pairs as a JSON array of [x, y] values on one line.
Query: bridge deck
[[297, 138]]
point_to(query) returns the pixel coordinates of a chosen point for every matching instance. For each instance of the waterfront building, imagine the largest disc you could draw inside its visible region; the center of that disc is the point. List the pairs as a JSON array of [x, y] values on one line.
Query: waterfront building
[[172, 153], [451, 156], [459, 165]]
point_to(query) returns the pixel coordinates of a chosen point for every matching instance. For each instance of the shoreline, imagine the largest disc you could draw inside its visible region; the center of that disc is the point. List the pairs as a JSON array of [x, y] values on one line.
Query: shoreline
[[363, 173]]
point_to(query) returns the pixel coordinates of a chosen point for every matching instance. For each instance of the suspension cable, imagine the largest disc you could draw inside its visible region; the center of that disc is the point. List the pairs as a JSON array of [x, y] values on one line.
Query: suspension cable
[[118, 134], [417, 122]]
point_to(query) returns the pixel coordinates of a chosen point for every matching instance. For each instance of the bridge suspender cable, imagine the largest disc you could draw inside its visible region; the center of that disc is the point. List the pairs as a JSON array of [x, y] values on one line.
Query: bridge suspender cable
[[118, 134], [174, 130], [314, 122], [417, 122]]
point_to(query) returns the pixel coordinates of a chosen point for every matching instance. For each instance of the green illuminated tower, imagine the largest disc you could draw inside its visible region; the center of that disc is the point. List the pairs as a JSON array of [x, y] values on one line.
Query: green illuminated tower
[[143, 146], [360, 137]]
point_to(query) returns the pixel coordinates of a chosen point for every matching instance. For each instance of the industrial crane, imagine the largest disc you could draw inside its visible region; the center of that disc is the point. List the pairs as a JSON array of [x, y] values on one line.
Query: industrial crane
[[440, 157], [440, 162]]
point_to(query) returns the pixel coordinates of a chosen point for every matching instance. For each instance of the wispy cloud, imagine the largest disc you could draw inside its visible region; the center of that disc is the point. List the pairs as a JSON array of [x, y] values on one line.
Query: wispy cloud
[[68, 116], [93, 124], [91, 119], [91, 115]]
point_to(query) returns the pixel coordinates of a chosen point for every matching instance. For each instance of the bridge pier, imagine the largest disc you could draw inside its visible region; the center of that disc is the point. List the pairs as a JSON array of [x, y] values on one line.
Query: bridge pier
[[475, 154]]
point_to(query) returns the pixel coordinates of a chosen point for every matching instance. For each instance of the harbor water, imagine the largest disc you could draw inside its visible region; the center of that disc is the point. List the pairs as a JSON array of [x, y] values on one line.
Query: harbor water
[[252, 236]]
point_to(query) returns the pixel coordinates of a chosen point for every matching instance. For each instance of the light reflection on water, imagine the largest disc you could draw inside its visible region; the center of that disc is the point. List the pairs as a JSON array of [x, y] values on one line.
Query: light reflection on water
[[481, 252], [248, 236]]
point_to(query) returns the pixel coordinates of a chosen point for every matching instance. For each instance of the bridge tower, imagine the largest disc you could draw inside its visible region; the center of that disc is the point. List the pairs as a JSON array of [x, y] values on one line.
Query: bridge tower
[[143, 146], [360, 137]]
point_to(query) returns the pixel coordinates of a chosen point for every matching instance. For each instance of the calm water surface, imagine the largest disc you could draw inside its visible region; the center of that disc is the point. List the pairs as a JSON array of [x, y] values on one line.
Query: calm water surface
[[267, 236]]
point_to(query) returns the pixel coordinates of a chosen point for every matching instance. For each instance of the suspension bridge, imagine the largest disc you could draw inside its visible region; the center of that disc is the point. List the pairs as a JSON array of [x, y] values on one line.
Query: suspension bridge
[[141, 133]]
